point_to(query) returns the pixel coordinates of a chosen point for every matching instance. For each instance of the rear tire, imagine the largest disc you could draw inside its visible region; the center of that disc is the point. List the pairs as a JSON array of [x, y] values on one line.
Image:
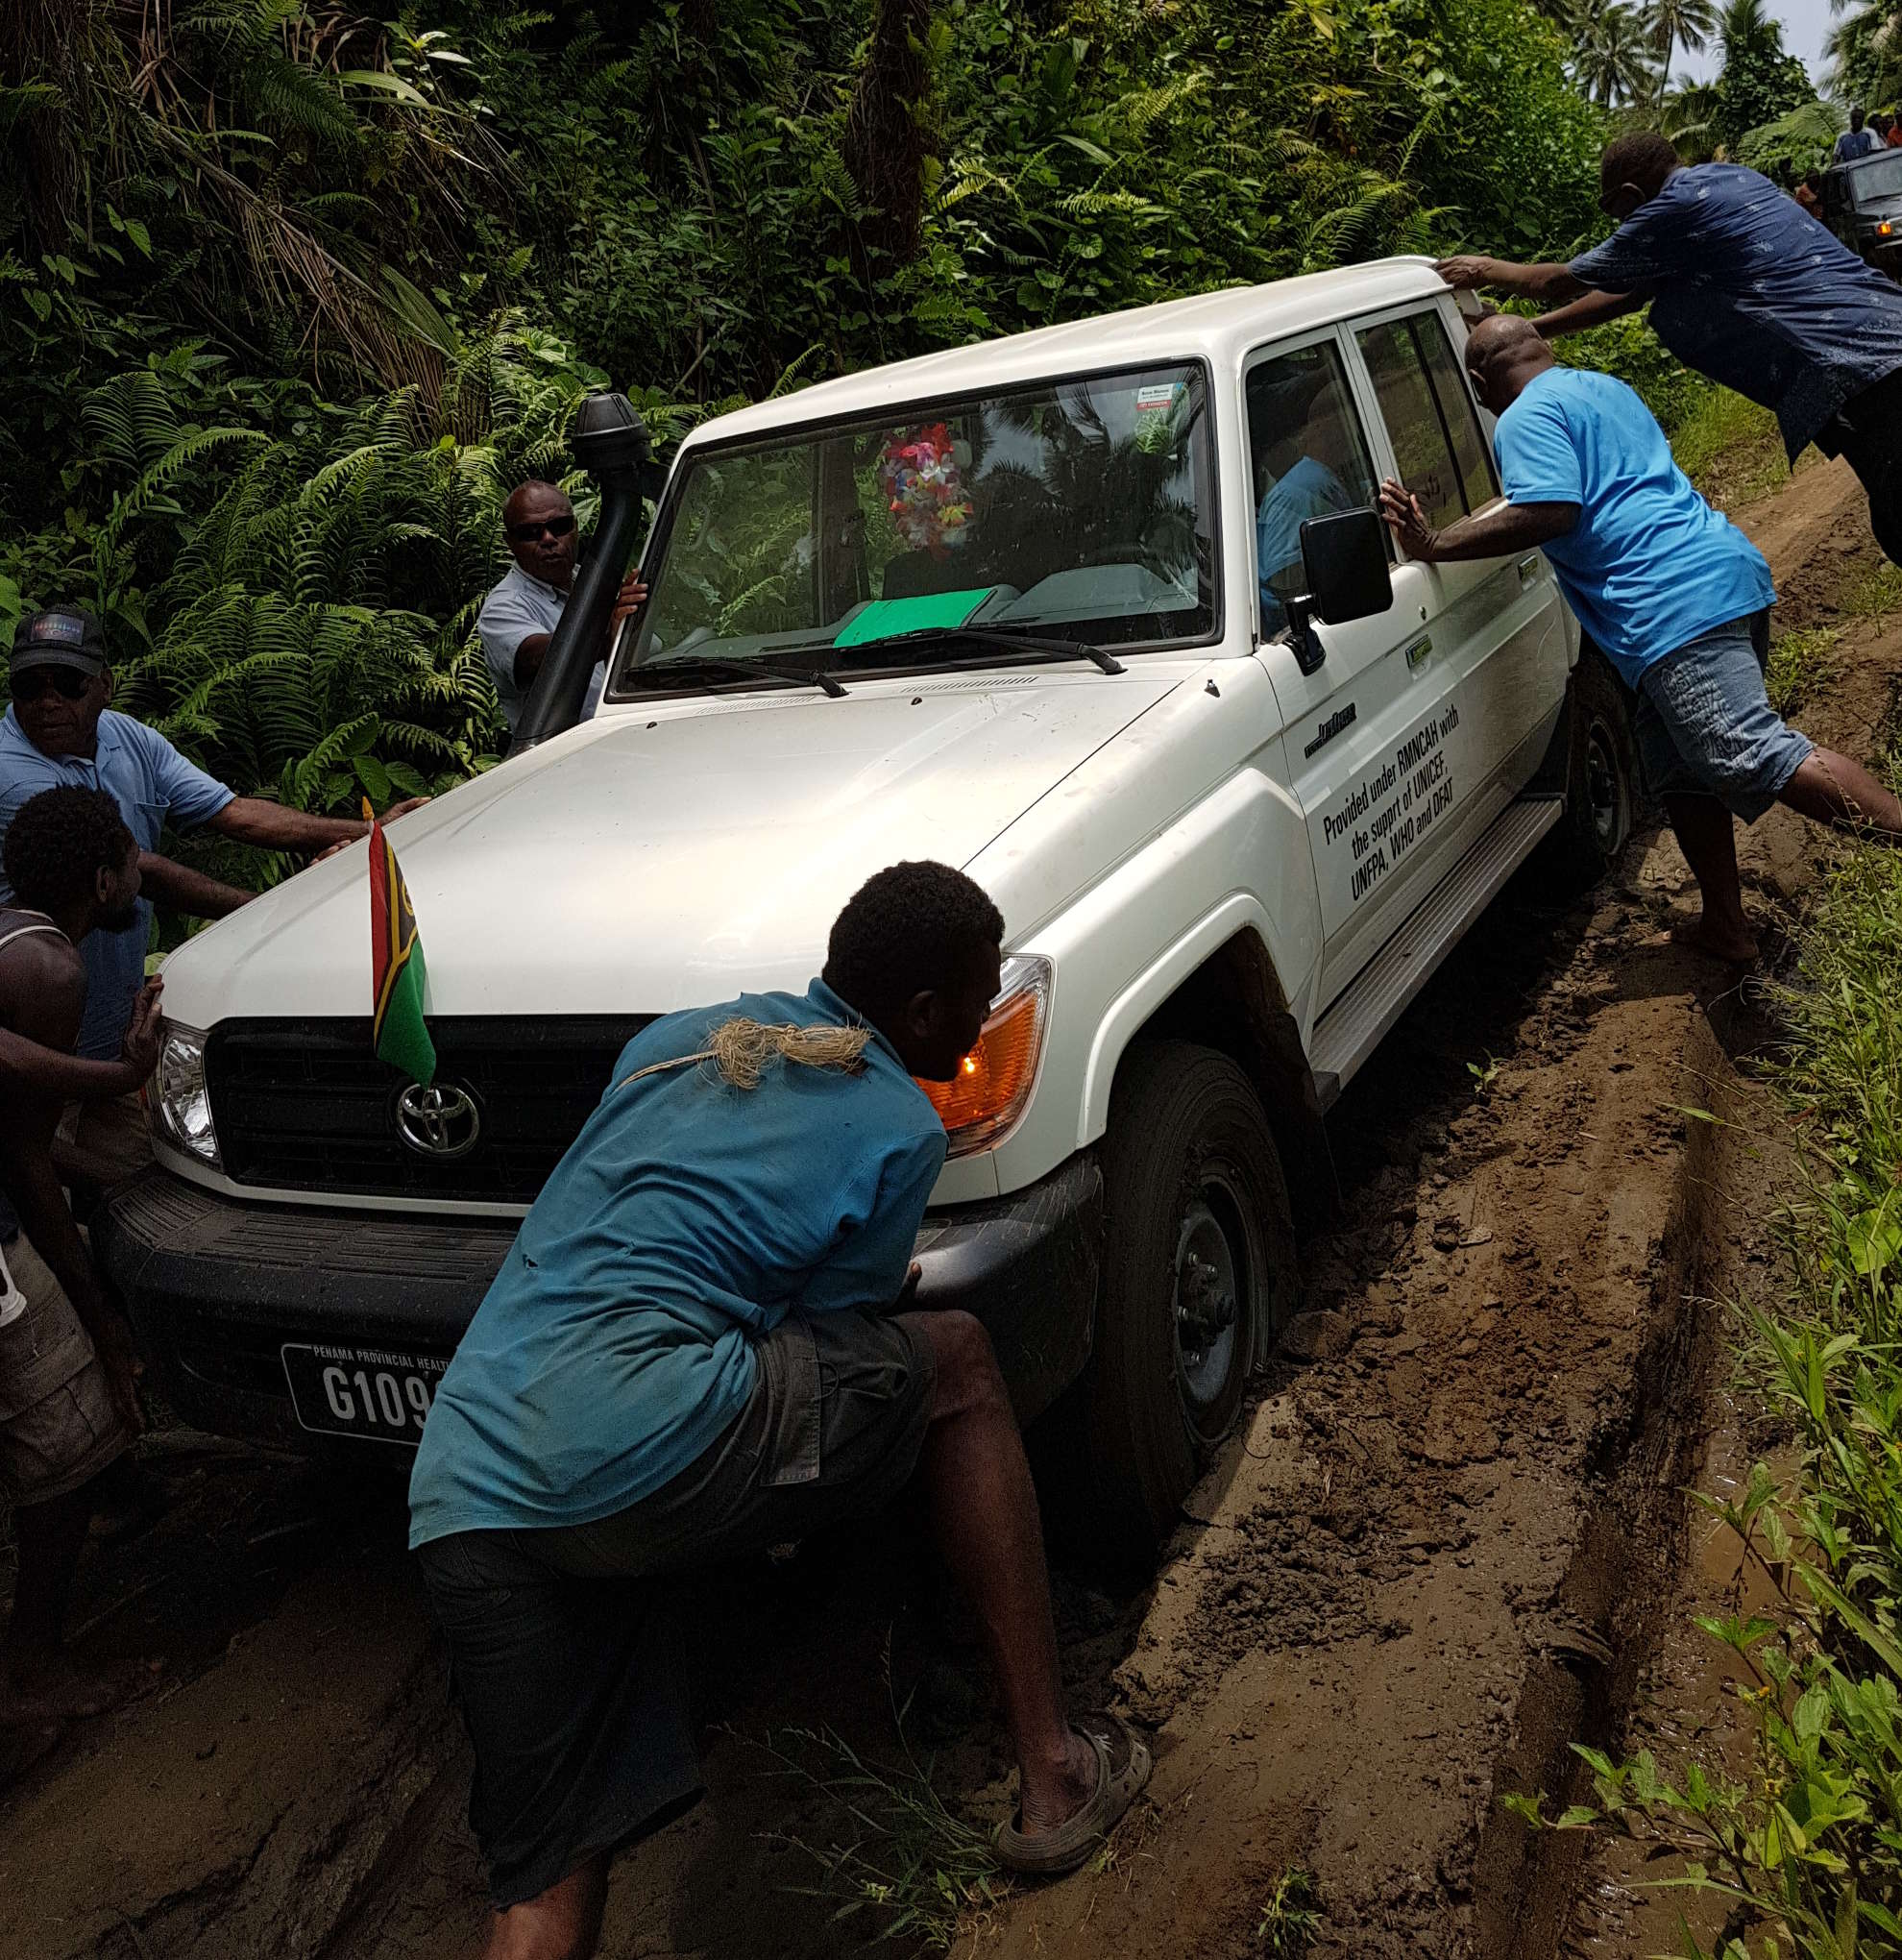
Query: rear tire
[[1198, 1279], [1602, 796]]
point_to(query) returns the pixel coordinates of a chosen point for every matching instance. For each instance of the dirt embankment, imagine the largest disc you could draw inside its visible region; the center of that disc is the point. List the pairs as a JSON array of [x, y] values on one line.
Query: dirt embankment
[[1438, 1551]]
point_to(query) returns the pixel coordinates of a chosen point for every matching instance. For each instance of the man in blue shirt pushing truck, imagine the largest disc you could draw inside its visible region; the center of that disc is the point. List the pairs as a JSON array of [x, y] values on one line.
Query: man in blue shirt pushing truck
[[1675, 595], [1746, 289], [702, 1345]]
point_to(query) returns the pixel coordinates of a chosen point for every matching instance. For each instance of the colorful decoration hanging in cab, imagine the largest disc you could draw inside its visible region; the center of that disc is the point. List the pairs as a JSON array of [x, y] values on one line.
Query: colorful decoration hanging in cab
[[924, 490]]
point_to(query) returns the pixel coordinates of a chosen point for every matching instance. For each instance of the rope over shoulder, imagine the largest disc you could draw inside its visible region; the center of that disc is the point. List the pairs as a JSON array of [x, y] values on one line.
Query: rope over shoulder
[[739, 1049]]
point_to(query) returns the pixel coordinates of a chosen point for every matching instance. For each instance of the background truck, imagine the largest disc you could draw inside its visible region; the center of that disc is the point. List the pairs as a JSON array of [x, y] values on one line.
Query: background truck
[[1101, 614], [1863, 206]]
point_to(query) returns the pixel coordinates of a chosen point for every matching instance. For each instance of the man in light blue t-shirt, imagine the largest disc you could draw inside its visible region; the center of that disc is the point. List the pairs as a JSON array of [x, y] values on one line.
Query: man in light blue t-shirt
[[1314, 485], [1675, 596]]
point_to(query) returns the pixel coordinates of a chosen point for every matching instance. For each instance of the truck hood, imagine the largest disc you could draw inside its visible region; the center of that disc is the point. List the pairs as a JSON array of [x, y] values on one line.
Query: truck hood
[[671, 856]]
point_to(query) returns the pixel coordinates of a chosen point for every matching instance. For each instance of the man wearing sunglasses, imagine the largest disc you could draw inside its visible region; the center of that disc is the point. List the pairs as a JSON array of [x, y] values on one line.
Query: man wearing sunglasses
[[1744, 289], [519, 617], [59, 732]]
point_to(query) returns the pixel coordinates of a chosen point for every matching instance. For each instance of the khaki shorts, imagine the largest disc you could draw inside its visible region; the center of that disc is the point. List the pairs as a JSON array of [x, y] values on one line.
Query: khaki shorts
[[99, 1144], [58, 1423]]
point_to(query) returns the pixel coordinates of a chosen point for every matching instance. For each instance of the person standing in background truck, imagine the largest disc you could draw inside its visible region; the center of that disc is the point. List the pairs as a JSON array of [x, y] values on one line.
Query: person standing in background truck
[[68, 1407], [1675, 596], [1854, 141], [1742, 290], [519, 615], [700, 1345], [59, 731]]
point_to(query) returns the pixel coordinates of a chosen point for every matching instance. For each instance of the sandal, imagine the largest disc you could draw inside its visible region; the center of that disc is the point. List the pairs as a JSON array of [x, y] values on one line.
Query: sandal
[[1122, 1769]]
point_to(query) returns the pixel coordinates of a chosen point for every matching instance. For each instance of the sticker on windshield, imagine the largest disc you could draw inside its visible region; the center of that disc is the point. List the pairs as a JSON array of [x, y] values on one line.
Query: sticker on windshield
[[882, 619], [1160, 395]]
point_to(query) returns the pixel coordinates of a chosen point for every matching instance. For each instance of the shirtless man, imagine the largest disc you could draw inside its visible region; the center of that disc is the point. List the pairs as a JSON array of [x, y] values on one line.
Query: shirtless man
[[68, 1403]]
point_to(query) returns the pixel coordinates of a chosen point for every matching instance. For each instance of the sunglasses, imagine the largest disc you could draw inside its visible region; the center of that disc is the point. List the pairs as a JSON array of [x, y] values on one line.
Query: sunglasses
[[549, 526], [67, 682]]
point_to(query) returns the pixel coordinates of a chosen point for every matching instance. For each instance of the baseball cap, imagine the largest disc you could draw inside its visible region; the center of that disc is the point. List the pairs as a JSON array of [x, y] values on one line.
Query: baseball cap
[[60, 636]]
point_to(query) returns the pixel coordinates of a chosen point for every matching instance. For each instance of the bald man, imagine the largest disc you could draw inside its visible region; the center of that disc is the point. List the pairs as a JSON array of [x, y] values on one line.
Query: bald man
[[519, 617], [1744, 290], [1677, 599]]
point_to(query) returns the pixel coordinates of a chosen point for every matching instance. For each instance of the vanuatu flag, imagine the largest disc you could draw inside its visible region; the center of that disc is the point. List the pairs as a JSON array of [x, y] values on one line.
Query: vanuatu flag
[[396, 968]]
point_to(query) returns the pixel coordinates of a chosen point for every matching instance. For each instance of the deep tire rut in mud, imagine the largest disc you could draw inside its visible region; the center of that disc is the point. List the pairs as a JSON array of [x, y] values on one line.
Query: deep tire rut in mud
[[1439, 1550]]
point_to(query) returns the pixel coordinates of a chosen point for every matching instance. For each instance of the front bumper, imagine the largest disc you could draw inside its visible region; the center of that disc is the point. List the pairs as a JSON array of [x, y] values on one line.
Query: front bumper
[[216, 1286]]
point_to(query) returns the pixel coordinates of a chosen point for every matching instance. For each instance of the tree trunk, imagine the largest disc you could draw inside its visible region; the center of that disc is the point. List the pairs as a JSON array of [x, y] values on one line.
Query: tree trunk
[[886, 140]]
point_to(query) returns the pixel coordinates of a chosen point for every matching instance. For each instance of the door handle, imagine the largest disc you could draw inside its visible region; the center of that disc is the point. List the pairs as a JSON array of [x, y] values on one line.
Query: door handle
[[1529, 567]]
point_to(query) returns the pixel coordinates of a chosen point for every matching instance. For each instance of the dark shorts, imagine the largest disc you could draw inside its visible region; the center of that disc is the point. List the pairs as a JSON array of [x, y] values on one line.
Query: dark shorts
[[1705, 725], [562, 1657], [1868, 429]]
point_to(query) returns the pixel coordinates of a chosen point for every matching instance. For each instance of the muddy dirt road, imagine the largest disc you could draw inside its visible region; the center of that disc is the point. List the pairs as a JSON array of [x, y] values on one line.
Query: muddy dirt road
[[1440, 1550]]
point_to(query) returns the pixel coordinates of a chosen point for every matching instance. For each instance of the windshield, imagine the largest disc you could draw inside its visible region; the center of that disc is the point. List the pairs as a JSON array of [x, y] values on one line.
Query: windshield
[[1879, 177], [1077, 510]]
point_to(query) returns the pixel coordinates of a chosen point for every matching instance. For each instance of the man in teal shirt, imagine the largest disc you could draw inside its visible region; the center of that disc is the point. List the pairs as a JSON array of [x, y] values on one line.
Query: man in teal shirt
[[699, 1346], [1675, 596]]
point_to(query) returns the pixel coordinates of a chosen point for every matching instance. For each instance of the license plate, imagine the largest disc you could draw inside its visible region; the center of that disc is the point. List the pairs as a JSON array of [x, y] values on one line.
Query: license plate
[[381, 1394]]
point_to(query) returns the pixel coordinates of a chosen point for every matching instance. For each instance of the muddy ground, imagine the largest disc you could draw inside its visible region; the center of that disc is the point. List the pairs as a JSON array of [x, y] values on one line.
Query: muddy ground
[[1448, 1541]]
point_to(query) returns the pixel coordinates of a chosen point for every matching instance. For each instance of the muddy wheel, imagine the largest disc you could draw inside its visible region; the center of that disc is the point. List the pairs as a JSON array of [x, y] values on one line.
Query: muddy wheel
[[1198, 1277], [1601, 788]]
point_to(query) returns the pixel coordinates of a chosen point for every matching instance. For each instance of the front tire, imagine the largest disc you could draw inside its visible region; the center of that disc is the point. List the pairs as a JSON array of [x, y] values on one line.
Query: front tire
[[1198, 1278]]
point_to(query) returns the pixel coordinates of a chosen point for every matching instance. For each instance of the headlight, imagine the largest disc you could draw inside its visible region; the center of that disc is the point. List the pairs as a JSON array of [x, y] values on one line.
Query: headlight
[[180, 1102], [1884, 229], [995, 1081]]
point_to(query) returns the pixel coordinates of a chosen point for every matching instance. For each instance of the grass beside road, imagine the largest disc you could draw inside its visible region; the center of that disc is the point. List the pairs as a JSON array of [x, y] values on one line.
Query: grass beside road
[[1730, 448], [1808, 1846]]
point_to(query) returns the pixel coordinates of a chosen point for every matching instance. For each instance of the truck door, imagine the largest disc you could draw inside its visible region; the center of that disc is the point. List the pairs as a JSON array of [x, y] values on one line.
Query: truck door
[[1496, 663], [1309, 455]]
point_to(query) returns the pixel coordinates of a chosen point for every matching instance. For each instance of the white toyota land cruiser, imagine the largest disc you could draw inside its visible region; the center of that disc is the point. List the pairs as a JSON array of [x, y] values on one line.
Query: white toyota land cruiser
[[1101, 614]]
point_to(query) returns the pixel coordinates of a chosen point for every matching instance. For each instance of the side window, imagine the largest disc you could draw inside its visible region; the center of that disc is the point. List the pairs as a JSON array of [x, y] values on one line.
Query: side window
[[1308, 455], [1471, 452], [1436, 438]]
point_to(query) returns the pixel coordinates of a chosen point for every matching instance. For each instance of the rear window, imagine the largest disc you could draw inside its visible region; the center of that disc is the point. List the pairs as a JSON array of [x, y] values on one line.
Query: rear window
[[1438, 444]]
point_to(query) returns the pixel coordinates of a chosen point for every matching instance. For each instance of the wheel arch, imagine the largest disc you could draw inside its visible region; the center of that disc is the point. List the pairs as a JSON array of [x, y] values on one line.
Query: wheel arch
[[1218, 987]]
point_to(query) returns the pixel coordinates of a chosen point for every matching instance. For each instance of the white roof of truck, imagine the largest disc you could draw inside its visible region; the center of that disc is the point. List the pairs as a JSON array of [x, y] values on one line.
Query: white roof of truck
[[1220, 326]]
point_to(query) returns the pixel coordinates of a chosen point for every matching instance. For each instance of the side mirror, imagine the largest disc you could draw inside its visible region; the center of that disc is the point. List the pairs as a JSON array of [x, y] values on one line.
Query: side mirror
[[1345, 558]]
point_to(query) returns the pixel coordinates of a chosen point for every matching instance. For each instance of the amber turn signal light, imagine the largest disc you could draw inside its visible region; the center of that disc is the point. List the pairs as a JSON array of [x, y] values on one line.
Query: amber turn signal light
[[993, 1082]]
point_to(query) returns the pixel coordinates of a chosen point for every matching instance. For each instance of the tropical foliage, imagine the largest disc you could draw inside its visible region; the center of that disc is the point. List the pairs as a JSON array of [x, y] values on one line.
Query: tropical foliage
[[288, 298], [1865, 47]]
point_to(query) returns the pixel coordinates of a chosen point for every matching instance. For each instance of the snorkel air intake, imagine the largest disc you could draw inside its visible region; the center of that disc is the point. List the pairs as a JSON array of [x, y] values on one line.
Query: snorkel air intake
[[610, 442]]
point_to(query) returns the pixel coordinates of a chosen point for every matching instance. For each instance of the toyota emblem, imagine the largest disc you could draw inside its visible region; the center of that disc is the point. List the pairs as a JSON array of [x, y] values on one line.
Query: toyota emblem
[[438, 1121]]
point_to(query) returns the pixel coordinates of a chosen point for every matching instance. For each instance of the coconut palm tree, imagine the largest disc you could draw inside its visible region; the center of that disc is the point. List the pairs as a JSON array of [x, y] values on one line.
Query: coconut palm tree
[[1745, 26], [1612, 61], [1865, 50], [1674, 24]]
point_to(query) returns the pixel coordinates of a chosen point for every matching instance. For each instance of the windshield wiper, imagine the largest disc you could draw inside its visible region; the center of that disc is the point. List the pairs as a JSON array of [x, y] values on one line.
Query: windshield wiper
[[745, 670], [1038, 645]]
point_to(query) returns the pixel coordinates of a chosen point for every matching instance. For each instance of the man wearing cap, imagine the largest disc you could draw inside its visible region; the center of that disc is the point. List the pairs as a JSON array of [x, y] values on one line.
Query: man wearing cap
[[519, 615], [59, 732]]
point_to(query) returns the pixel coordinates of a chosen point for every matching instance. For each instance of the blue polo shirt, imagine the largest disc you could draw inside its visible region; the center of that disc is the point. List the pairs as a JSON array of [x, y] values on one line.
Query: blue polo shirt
[[687, 1219], [1309, 489], [153, 784], [1650, 566], [1746, 287]]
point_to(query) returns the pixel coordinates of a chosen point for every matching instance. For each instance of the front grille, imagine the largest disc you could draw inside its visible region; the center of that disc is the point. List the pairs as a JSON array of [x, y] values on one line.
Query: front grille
[[305, 1105]]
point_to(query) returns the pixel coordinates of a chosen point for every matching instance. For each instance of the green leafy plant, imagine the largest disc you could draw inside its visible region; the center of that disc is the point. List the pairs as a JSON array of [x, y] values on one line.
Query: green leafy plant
[[1290, 1915], [1798, 665]]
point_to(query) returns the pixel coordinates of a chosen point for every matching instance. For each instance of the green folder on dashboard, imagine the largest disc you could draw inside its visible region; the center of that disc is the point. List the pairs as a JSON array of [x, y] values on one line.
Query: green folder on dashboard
[[884, 617]]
